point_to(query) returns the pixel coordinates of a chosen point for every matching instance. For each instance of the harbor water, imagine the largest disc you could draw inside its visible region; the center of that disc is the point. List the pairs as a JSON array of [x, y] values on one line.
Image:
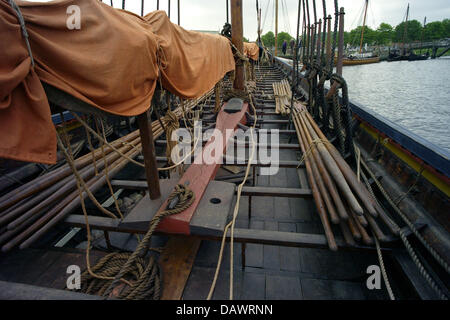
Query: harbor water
[[414, 95]]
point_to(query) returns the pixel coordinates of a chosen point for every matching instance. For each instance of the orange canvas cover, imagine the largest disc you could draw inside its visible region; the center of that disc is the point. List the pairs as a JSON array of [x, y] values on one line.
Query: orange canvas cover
[[111, 62], [192, 62], [251, 50]]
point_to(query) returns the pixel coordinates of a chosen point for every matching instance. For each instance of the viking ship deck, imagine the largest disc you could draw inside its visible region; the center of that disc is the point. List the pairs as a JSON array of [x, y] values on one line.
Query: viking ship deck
[[270, 262], [353, 190]]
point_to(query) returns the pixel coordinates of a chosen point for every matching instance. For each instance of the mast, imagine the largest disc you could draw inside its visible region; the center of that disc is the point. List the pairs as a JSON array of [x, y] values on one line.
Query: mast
[[406, 30], [276, 27], [364, 25], [258, 16], [237, 31], [178, 7], [228, 17], [423, 31]]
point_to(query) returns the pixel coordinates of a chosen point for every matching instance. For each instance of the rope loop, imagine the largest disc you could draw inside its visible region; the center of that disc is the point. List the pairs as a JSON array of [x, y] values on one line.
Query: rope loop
[[23, 28], [134, 275]]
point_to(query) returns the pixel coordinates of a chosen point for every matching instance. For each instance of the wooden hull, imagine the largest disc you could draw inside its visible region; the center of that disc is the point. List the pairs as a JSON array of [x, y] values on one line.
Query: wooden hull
[[357, 61], [354, 62]]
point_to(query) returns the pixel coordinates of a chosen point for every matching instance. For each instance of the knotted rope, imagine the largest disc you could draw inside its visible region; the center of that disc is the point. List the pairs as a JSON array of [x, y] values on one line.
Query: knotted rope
[[172, 124], [23, 28], [141, 274]]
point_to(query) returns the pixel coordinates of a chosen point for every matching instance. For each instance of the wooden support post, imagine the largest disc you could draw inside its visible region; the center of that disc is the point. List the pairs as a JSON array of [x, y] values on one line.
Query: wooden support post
[[237, 36], [328, 51], [276, 28], [148, 150], [168, 10], [178, 6], [228, 15], [340, 59]]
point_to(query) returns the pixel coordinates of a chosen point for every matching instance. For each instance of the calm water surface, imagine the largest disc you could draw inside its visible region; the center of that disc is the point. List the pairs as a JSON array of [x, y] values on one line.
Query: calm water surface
[[415, 95]]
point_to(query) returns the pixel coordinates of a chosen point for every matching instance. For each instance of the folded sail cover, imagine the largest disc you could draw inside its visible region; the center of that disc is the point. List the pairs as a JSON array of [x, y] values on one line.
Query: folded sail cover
[[251, 50], [111, 62]]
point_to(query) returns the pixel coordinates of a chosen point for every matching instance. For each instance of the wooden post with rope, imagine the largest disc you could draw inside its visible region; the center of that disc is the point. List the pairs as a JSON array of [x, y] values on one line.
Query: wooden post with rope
[[340, 58], [148, 150], [236, 38]]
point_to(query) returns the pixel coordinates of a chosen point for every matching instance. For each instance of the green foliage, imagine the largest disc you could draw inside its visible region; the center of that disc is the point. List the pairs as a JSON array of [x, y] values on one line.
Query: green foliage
[[414, 31], [283, 36], [434, 31], [385, 34], [245, 39], [370, 36], [268, 39], [446, 25]]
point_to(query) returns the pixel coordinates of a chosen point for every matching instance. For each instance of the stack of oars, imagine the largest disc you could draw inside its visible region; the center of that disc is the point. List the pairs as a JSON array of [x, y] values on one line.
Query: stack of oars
[[339, 196], [283, 94], [30, 210]]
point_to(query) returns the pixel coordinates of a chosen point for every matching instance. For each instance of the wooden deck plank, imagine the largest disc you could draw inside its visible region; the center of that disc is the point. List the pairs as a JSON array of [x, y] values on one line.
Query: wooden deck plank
[[271, 253], [176, 262], [318, 289], [254, 252], [283, 288], [289, 257], [253, 286], [20, 291]]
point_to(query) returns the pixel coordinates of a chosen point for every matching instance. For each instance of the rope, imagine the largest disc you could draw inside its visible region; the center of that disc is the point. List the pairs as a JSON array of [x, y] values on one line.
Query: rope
[[218, 102], [124, 155], [383, 268], [408, 247], [80, 180], [143, 275], [172, 124], [405, 241], [116, 203], [421, 268], [404, 195], [411, 226], [23, 28]]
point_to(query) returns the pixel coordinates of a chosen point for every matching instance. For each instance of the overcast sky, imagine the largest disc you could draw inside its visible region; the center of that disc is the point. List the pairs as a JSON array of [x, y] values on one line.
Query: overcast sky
[[211, 14]]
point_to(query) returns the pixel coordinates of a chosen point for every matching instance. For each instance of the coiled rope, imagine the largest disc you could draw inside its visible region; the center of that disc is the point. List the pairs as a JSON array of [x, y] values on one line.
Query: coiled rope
[[141, 274]]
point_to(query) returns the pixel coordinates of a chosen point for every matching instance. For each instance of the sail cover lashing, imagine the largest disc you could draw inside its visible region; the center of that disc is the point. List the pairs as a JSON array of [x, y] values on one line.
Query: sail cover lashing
[[251, 50], [111, 62]]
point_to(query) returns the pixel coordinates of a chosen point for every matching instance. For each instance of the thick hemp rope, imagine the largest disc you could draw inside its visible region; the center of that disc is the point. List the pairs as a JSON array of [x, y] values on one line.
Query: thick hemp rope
[[141, 274]]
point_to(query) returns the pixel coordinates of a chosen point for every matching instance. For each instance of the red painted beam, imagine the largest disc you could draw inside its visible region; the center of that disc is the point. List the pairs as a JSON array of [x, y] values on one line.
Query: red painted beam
[[199, 174]]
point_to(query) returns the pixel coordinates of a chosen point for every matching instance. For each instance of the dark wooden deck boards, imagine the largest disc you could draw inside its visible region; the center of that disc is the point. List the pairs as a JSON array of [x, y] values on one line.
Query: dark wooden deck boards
[[43, 268]]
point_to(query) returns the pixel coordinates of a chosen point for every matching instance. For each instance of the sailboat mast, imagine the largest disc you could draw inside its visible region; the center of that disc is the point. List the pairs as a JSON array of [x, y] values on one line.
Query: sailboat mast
[[406, 29], [237, 33], [276, 27], [363, 27]]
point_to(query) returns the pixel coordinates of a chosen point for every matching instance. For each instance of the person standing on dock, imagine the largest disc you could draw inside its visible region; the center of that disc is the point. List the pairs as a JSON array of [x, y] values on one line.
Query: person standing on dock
[[292, 46], [284, 47]]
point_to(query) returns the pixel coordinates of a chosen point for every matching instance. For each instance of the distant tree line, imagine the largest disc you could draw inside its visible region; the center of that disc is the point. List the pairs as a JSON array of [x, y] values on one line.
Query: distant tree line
[[385, 34]]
